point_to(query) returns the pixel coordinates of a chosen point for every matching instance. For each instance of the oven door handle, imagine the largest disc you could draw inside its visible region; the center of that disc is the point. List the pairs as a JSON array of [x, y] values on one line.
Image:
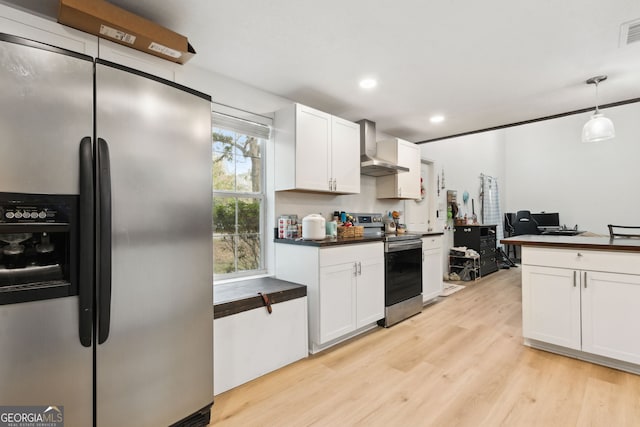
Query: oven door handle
[[403, 246]]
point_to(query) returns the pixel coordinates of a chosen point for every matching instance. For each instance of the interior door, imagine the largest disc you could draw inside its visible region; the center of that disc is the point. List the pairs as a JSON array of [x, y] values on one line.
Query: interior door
[[45, 111], [156, 366]]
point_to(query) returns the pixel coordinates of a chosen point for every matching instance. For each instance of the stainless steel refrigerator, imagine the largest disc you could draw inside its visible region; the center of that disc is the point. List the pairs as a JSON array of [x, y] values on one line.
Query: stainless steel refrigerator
[[106, 306]]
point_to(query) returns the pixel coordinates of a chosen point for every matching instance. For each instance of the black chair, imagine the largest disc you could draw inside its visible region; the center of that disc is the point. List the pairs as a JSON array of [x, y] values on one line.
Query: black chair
[[524, 224], [624, 231], [509, 219]]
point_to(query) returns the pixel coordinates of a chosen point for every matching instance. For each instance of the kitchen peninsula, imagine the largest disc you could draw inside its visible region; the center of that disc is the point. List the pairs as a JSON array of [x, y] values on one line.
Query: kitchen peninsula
[[581, 297]]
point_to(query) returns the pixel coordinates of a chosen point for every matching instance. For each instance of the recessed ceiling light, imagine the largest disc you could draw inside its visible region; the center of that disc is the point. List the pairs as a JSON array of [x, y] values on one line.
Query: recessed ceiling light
[[437, 119], [368, 83]]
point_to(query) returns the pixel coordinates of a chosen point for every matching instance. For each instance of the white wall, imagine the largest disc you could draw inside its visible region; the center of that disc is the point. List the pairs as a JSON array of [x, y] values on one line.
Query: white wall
[[224, 90], [463, 159], [549, 169], [231, 92], [238, 95]]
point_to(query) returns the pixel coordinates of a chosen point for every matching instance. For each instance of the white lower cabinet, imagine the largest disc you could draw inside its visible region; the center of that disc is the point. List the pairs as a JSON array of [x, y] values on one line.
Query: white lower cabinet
[[611, 315], [253, 343], [370, 291], [594, 312], [345, 287], [551, 306], [337, 296], [431, 267]]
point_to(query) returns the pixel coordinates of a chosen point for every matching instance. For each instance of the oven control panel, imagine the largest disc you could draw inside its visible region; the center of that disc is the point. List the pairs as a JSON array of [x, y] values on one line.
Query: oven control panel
[[368, 220]]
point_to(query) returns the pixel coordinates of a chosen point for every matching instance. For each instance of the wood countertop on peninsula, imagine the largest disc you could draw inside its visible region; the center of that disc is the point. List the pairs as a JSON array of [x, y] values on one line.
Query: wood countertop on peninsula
[[575, 242]]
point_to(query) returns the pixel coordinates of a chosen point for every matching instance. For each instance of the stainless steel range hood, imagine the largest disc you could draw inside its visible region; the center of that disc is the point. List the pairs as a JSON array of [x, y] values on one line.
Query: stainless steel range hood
[[369, 163]]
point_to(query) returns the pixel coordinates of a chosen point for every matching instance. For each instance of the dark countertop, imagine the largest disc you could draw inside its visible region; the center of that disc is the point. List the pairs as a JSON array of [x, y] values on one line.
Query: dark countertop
[[575, 242], [331, 241], [236, 297], [336, 241]]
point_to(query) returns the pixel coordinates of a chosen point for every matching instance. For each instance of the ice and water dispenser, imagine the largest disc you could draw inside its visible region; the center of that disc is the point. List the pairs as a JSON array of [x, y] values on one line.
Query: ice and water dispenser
[[38, 247]]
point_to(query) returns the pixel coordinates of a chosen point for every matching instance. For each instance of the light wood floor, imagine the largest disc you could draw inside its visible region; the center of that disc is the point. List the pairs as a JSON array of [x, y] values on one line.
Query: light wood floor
[[460, 362]]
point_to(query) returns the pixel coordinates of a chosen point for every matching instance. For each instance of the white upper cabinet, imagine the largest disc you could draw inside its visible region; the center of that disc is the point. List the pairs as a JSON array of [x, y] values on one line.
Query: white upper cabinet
[[316, 151], [404, 185], [345, 155]]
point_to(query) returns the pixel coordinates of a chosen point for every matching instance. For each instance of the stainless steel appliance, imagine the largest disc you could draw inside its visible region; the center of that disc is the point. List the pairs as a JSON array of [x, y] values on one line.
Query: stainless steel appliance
[[403, 269], [369, 163], [105, 267], [402, 278]]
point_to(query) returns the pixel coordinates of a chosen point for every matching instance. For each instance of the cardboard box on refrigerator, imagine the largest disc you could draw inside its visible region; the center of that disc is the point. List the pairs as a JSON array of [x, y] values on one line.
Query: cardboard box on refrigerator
[[120, 26]]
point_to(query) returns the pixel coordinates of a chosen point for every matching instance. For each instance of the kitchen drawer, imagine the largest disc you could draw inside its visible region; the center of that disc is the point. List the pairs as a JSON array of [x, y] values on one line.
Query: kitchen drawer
[[581, 259], [431, 242], [350, 253]]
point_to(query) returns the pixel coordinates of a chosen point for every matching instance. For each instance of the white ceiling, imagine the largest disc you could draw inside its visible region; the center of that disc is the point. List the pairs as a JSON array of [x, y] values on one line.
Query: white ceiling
[[480, 63]]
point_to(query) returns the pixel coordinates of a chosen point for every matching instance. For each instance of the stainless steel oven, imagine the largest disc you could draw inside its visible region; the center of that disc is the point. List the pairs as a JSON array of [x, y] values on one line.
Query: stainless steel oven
[[403, 278]]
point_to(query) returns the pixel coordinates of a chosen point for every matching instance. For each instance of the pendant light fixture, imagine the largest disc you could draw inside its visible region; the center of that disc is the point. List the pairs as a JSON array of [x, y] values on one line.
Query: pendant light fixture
[[598, 128]]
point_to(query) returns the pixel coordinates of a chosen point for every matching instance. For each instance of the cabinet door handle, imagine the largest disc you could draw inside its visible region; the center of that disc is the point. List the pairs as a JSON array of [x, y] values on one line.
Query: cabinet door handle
[[359, 268], [574, 278], [579, 254], [585, 280], [355, 269]]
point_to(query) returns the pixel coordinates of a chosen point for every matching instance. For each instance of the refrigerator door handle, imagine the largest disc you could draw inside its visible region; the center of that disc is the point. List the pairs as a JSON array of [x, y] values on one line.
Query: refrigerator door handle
[[86, 273], [104, 245]]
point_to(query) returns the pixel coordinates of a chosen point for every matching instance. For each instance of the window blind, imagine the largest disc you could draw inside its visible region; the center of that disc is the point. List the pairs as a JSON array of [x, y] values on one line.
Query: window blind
[[243, 126]]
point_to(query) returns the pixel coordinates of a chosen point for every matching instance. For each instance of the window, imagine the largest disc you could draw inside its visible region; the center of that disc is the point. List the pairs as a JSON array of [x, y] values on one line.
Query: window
[[238, 195]]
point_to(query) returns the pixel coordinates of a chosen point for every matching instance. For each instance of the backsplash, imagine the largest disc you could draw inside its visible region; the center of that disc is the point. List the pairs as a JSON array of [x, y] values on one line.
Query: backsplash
[[303, 204]]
